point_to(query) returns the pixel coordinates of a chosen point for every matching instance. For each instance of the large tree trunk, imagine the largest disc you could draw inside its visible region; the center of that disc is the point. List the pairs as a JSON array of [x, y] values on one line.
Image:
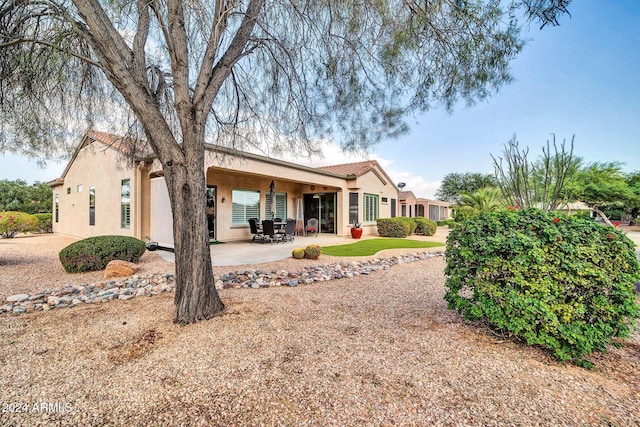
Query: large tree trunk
[[195, 297]]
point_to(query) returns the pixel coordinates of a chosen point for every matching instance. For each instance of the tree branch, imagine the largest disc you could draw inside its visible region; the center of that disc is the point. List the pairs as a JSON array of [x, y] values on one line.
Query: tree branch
[[233, 53]]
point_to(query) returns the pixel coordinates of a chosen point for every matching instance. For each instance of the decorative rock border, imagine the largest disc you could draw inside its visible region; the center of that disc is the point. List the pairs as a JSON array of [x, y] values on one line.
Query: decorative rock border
[[154, 284]]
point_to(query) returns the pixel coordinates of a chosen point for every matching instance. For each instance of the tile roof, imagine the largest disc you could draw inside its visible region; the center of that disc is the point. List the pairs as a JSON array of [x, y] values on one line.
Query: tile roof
[[114, 141], [402, 195], [357, 168]]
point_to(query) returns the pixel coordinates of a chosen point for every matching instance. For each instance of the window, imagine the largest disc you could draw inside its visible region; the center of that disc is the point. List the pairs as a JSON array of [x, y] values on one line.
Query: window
[[384, 200], [393, 208], [403, 210], [370, 208], [68, 190], [79, 188], [434, 213], [92, 205], [280, 207], [245, 204], [57, 205], [125, 204], [353, 208]]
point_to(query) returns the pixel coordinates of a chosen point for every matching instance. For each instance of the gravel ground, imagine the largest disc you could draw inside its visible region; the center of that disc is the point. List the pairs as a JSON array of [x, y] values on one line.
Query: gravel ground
[[372, 350]]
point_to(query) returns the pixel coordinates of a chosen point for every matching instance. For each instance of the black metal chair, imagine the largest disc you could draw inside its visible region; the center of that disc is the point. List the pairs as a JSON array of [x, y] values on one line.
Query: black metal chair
[[257, 232], [268, 231], [288, 232]]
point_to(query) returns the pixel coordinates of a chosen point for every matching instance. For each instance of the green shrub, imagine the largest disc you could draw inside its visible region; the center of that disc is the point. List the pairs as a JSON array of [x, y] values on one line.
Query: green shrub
[[424, 226], [12, 223], [445, 222], [397, 227], [564, 283], [409, 223], [312, 251], [44, 222], [298, 253], [94, 253]]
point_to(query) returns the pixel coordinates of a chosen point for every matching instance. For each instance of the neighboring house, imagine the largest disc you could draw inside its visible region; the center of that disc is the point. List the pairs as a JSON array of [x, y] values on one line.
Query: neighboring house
[[408, 204], [98, 194], [435, 210], [411, 206]]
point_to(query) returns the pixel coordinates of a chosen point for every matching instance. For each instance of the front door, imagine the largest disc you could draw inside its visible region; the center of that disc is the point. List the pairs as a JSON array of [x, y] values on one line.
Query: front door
[[211, 211]]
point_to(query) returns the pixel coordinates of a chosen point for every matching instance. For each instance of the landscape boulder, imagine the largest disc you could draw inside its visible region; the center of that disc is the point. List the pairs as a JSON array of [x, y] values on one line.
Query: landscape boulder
[[118, 268]]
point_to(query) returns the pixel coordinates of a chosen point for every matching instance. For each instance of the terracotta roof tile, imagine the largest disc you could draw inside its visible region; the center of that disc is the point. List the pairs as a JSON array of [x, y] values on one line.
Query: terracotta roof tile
[[357, 168], [115, 141], [402, 195]]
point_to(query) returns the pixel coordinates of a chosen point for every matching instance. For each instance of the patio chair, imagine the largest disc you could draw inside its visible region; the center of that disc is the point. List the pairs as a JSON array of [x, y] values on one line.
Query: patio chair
[[257, 232], [288, 232], [268, 231], [312, 226]]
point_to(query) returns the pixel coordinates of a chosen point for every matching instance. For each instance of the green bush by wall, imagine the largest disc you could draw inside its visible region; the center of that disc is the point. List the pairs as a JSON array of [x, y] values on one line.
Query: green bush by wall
[[564, 283], [397, 227], [12, 223], [424, 226], [44, 222], [94, 253]]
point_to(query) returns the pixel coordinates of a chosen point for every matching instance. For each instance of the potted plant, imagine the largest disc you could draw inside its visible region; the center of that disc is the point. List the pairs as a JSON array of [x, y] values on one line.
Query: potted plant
[[356, 230]]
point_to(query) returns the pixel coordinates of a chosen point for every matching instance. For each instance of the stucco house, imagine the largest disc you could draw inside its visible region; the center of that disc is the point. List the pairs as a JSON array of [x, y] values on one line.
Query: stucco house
[[412, 206], [99, 193], [435, 210]]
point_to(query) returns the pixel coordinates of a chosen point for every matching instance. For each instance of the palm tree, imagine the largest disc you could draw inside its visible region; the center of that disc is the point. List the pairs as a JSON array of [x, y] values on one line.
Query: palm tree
[[487, 199]]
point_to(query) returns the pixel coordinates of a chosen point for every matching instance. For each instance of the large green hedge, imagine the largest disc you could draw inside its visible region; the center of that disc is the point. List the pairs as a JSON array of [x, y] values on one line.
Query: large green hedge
[[12, 223], [94, 253], [395, 227], [564, 283], [425, 226]]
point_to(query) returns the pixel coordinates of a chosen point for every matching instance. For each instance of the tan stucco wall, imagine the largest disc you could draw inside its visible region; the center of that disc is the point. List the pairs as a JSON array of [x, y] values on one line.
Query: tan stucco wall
[[370, 183], [410, 205], [95, 165]]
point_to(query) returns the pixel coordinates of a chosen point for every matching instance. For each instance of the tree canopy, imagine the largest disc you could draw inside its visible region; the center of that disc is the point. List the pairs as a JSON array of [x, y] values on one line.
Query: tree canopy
[[599, 184], [19, 196], [455, 184], [281, 72]]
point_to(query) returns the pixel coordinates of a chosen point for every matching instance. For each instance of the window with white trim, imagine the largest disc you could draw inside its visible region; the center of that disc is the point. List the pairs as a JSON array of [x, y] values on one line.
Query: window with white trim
[[353, 208], [125, 204], [370, 209], [280, 206], [92, 205], [245, 204]]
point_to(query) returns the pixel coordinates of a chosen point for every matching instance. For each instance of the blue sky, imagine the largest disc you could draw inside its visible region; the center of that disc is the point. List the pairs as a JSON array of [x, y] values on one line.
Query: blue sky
[[580, 78]]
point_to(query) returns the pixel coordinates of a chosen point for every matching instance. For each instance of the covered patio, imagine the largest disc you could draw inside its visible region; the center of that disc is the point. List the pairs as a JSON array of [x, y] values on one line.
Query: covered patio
[[245, 252]]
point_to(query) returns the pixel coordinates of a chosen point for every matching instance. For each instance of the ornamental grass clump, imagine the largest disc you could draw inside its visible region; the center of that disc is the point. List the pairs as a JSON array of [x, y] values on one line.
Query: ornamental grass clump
[[94, 253], [564, 283]]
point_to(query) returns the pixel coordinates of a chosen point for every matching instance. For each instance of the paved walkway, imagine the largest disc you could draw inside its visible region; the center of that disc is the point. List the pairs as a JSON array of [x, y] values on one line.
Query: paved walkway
[[245, 252]]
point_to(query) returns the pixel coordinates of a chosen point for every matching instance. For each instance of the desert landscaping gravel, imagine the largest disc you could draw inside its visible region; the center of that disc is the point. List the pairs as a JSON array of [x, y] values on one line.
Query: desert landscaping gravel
[[381, 349]]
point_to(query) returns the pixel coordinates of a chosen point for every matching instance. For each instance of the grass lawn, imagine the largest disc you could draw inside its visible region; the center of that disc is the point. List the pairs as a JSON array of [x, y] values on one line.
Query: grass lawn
[[372, 246]]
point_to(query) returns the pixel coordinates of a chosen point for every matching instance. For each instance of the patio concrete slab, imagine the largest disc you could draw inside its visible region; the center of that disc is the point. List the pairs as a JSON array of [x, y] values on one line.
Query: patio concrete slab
[[246, 252]]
